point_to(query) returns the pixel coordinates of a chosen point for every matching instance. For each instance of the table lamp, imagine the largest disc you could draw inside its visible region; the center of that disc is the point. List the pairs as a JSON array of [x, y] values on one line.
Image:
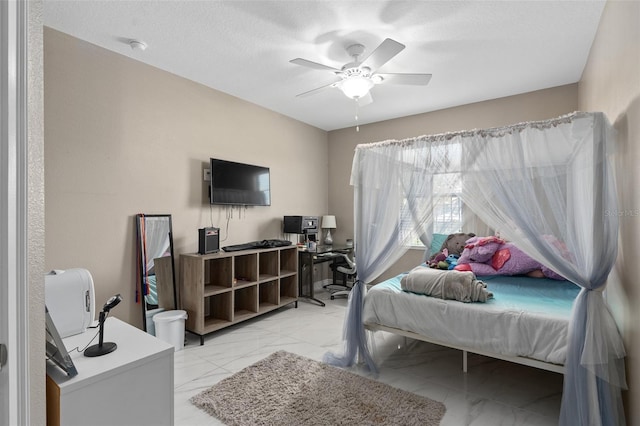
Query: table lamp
[[328, 223]]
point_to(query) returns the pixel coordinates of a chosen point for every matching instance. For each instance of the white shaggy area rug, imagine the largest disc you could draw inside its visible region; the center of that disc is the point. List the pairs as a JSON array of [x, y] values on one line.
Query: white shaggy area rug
[[287, 389]]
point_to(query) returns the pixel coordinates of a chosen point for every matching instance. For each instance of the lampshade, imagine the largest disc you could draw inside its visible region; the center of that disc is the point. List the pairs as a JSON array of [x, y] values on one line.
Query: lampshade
[[356, 86], [329, 222]]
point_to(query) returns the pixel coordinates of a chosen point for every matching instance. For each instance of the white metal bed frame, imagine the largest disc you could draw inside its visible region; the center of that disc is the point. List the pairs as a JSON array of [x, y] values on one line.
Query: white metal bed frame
[[557, 368]]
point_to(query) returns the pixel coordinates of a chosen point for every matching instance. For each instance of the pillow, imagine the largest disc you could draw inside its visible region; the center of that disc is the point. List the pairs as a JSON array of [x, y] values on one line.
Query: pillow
[[436, 243]]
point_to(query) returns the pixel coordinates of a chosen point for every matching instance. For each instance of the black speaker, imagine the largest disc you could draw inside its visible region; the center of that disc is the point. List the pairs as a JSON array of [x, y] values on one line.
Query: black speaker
[[208, 240]]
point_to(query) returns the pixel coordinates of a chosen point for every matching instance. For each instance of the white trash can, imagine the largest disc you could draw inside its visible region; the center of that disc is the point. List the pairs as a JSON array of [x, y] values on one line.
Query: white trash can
[[170, 327]]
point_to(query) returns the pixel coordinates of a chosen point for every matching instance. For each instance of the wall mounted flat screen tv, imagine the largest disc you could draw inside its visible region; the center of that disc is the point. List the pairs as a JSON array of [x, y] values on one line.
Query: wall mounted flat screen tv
[[239, 184]]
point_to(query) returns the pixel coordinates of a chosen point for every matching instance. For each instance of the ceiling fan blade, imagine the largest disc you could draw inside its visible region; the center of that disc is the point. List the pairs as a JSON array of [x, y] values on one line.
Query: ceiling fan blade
[[410, 79], [317, 89], [314, 65], [383, 53], [365, 100]]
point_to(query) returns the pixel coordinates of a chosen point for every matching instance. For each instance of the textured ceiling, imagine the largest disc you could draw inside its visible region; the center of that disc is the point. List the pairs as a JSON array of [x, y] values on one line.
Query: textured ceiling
[[476, 50]]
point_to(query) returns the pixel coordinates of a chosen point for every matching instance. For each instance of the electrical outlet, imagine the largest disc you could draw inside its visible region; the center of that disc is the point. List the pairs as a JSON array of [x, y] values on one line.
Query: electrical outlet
[[207, 175]]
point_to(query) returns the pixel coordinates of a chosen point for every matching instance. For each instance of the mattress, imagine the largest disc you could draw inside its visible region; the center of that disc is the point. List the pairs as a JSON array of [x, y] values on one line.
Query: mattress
[[528, 317]]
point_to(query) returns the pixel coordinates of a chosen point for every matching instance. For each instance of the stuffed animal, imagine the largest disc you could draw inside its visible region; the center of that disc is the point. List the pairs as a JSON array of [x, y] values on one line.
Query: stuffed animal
[[437, 258], [453, 245], [447, 263], [452, 261], [494, 256], [443, 265]]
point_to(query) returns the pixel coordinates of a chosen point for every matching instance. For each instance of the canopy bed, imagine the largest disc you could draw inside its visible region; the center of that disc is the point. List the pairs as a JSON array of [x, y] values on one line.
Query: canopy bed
[[545, 186], [526, 320]]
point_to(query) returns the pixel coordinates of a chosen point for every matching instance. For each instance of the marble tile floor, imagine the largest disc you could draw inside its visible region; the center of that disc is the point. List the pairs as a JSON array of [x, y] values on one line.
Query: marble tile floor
[[493, 392]]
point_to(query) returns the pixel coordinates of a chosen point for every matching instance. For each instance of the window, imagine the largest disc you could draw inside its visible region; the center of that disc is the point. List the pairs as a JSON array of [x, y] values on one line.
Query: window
[[443, 182], [447, 204], [446, 216]]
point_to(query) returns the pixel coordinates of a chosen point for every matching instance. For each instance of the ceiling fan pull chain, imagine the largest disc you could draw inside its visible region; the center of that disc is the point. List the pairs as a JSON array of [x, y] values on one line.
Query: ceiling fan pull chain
[[357, 126]]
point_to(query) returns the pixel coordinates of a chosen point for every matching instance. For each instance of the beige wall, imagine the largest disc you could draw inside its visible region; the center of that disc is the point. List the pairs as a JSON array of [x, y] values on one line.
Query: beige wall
[[537, 105], [611, 83], [125, 138]]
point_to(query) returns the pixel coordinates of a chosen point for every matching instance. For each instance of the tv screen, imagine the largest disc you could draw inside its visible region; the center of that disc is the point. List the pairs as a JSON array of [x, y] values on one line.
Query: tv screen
[[239, 184]]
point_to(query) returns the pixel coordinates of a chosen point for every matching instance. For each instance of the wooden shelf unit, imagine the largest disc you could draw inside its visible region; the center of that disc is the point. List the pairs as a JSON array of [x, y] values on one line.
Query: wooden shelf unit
[[221, 289]]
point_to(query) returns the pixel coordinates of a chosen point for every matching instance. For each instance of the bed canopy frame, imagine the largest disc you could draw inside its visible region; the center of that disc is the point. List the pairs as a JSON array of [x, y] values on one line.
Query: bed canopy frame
[[548, 186]]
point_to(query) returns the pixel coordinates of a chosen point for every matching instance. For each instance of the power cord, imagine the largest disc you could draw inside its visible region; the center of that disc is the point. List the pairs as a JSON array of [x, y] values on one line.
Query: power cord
[[77, 348]]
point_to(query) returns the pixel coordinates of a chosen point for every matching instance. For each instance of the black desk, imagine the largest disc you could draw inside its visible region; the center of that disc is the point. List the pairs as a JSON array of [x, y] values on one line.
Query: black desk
[[306, 260]]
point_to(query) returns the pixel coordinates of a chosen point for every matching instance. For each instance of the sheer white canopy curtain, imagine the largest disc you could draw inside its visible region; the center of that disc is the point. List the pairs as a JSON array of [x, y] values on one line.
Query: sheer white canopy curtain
[[547, 186]]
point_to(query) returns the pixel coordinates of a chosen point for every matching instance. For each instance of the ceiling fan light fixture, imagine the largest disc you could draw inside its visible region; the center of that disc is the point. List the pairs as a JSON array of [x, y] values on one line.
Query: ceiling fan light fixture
[[356, 86]]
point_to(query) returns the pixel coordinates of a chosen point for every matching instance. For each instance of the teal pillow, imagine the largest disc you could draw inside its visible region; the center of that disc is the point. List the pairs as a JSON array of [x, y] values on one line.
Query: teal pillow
[[436, 243]]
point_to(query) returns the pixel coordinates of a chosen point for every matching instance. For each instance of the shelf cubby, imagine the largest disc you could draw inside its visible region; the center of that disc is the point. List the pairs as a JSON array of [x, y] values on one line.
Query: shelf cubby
[[269, 261], [217, 274], [246, 302], [217, 311], [269, 295], [289, 261], [288, 289], [245, 269]]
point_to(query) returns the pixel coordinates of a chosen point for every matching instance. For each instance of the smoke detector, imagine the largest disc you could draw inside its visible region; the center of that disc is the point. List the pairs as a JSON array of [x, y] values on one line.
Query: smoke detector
[[137, 44]]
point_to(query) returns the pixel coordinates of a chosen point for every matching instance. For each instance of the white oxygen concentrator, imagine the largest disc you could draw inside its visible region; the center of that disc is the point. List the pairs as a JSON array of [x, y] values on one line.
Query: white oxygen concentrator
[[70, 299]]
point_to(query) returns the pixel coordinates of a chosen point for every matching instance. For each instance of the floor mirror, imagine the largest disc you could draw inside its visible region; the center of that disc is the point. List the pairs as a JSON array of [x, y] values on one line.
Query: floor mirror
[[156, 272]]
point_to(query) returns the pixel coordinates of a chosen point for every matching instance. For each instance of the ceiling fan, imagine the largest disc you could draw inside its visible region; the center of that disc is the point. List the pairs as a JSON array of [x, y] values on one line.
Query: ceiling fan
[[356, 78]]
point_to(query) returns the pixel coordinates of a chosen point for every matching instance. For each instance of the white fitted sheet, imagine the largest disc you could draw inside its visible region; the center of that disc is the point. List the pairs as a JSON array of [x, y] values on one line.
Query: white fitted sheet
[[528, 317]]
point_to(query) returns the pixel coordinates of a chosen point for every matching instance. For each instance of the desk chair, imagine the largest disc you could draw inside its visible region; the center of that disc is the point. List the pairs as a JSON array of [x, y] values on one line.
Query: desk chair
[[349, 270]]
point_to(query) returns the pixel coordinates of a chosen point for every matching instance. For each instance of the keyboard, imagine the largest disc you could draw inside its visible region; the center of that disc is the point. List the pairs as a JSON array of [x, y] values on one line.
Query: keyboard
[[257, 245]]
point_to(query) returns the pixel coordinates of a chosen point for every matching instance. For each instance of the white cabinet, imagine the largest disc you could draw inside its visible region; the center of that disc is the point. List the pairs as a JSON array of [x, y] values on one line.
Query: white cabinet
[[131, 386]]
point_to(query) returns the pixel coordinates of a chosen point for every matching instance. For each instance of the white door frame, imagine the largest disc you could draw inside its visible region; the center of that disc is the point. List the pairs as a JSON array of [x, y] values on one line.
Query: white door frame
[[14, 283]]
